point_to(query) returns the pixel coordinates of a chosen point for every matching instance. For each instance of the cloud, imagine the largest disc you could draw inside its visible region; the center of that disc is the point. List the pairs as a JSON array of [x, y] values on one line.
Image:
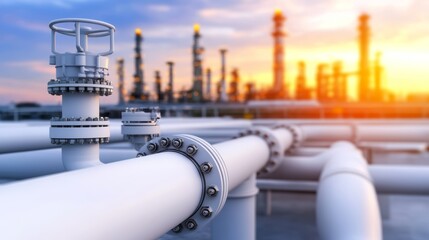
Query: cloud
[[160, 8], [35, 66], [55, 3], [30, 25]]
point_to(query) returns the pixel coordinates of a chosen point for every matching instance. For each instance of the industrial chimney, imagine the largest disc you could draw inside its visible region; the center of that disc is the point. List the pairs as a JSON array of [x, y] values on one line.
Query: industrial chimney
[[197, 68], [222, 97], [279, 88], [138, 92], [121, 89], [170, 89], [364, 71]]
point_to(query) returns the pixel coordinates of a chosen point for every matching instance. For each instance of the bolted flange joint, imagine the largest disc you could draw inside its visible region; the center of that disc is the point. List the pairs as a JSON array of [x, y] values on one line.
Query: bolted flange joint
[[296, 133], [140, 125], [212, 170], [276, 147]]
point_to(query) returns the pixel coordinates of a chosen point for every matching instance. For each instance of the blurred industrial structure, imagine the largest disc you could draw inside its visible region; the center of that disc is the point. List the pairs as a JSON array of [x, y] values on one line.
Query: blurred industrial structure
[[121, 87], [331, 81], [279, 90], [197, 66], [138, 93]]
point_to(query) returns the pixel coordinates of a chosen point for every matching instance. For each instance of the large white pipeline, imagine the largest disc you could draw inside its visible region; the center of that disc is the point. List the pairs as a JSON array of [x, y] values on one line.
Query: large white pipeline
[[133, 199], [347, 207], [139, 198]]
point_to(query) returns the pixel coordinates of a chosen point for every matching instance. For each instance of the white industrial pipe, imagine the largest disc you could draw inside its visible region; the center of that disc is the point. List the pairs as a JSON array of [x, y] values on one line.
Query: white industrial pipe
[[400, 179], [30, 164], [135, 199], [365, 132], [147, 196], [16, 138], [238, 219], [388, 179], [243, 157], [347, 207]]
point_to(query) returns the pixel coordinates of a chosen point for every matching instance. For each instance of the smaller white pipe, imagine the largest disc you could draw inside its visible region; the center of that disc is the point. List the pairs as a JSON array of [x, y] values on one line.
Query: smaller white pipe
[[400, 179], [237, 220], [80, 105], [347, 207], [80, 156], [243, 157], [306, 151]]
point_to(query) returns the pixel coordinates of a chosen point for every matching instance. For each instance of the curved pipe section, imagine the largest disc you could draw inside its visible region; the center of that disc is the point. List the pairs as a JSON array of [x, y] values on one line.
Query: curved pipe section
[[347, 207], [133, 199]]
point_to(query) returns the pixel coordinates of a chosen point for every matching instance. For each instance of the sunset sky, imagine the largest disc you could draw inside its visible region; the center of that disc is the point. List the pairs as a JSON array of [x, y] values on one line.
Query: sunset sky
[[318, 31]]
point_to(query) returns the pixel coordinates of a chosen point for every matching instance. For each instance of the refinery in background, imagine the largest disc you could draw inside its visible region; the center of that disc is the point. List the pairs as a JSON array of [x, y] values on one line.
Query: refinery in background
[[331, 78], [227, 94]]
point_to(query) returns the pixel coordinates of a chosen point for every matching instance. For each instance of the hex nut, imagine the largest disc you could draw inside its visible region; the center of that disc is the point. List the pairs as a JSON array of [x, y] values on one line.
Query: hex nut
[[177, 228], [191, 149], [164, 142], [212, 191], [206, 212], [191, 224], [152, 147], [206, 167], [177, 142]]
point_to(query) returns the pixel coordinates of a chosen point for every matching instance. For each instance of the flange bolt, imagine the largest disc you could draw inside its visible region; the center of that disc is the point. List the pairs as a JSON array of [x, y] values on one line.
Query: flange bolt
[[152, 147], [212, 191], [164, 142], [206, 212], [191, 224], [191, 149], [206, 167], [177, 142], [177, 228]]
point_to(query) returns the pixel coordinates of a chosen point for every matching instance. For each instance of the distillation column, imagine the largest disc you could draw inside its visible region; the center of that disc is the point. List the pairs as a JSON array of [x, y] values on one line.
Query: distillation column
[[221, 88], [364, 73], [170, 90], [278, 68], [121, 89], [197, 68], [209, 84], [139, 84], [80, 80]]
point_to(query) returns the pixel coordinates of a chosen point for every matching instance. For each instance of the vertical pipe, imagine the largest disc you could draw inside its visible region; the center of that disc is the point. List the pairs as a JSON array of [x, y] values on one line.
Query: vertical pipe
[[121, 87], [209, 84], [222, 97], [237, 220], [364, 74], [170, 82], [278, 56]]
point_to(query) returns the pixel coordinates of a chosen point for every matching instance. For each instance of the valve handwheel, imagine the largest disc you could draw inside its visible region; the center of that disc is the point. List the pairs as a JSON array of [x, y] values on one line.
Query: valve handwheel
[[79, 31]]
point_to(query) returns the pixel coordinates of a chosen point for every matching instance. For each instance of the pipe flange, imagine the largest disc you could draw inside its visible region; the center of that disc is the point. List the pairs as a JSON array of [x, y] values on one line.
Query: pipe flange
[[81, 85], [79, 122], [79, 141], [212, 170], [276, 151], [296, 133]]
